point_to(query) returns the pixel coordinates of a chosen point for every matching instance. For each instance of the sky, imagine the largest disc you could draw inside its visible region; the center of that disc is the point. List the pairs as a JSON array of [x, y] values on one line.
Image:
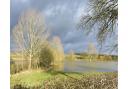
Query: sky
[[62, 17]]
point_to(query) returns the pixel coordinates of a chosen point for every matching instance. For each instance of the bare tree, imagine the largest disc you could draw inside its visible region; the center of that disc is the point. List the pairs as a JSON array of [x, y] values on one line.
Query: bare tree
[[102, 17], [29, 34], [72, 55], [92, 52]]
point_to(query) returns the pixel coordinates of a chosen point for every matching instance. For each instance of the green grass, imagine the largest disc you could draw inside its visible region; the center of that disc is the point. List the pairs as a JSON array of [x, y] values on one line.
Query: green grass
[[35, 78], [30, 78]]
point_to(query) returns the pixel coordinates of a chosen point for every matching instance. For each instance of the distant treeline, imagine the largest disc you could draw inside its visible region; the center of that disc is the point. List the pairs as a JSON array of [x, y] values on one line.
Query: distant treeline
[[100, 57]]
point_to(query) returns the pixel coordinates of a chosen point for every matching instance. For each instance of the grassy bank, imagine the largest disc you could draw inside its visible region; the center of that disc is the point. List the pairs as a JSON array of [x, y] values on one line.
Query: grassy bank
[[37, 77], [60, 80], [87, 81]]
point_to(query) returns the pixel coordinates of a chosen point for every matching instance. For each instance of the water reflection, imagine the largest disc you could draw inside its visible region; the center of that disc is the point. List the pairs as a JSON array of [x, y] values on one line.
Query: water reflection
[[85, 66]]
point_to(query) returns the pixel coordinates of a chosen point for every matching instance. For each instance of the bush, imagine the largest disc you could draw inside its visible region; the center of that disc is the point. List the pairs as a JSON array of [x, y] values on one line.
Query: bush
[[46, 57], [51, 57], [17, 66], [12, 66]]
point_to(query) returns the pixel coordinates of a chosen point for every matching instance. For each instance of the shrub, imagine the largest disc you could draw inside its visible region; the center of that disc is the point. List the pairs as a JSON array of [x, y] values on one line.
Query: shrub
[[12, 68], [46, 57], [17, 66]]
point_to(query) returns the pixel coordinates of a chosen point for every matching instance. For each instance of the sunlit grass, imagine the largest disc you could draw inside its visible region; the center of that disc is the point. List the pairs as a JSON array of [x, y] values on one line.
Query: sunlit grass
[[38, 78], [29, 78]]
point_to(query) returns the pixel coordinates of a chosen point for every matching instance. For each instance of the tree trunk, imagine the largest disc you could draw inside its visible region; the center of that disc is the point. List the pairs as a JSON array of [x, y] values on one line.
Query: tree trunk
[[22, 60], [30, 61]]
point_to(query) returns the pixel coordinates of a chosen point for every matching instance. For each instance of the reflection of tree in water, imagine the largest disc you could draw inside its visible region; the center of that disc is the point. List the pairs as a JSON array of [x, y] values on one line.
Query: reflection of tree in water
[[72, 59], [92, 53]]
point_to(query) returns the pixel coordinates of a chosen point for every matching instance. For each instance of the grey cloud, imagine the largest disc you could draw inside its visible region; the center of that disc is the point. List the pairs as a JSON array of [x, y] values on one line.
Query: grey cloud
[[16, 7], [77, 47], [61, 17]]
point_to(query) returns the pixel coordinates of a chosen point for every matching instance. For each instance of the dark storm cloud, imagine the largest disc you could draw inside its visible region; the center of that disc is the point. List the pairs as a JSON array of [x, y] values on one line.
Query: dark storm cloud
[[17, 7], [61, 17]]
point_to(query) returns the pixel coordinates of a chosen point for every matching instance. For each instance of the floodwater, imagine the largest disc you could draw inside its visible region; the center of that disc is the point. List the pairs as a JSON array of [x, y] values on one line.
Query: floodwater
[[85, 66]]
